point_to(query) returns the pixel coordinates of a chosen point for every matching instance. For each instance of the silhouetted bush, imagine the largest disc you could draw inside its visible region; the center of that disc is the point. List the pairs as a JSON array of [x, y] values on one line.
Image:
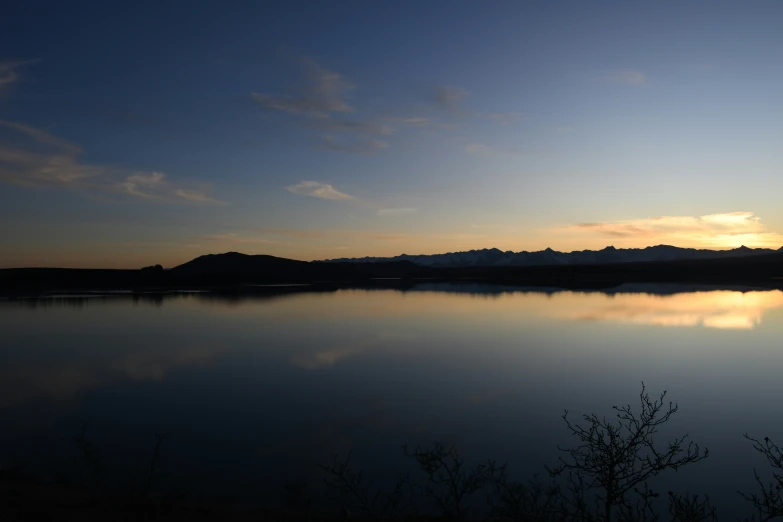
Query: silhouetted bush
[[691, 508], [525, 501], [616, 458], [769, 501], [450, 482], [359, 493]]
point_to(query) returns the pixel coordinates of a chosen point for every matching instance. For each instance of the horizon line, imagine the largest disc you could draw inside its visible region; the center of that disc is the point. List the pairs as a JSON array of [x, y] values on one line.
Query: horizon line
[[548, 249]]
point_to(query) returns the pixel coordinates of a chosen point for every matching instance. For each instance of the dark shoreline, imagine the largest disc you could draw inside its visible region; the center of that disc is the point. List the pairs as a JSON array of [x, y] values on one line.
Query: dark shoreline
[[239, 293]]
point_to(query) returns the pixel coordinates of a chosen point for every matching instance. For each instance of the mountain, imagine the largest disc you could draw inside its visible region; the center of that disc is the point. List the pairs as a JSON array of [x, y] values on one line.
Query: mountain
[[234, 272], [608, 256]]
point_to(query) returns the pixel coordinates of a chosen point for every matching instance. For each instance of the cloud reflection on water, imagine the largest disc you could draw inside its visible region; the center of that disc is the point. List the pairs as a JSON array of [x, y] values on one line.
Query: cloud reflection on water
[[710, 309], [112, 341]]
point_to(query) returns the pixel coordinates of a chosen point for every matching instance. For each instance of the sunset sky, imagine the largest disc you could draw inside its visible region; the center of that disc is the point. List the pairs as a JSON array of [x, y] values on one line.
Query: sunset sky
[[137, 133]]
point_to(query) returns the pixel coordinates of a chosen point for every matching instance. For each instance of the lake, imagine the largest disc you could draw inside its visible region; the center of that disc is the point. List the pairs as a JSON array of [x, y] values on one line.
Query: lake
[[253, 391]]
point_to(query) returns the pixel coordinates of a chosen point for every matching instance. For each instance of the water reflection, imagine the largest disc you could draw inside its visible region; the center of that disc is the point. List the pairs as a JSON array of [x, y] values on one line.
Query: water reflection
[[301, 373], [710, 309], [81, 348]]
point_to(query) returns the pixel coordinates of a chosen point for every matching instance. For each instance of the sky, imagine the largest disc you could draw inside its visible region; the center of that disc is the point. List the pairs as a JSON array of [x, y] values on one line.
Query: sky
[[140, 133]]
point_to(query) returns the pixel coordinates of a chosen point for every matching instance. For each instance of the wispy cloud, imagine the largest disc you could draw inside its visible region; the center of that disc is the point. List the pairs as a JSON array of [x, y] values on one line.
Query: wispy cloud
[[626, 77], [42, 137], [233, 238], [478, 148], [303, 243], [395, 212], [296, 233], [331, 233], [325, 92], [381, 236], [317, 189], [35, 158], [155, 185], [339, 235], [451, 97], [9, 71], [321, 107], [727, 230], [196, 197], [449, 94], [143, 184]]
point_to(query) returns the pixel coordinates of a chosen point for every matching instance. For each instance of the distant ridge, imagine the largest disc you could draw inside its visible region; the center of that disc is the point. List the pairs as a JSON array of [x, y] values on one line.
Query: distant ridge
[[493, 257], [233, 271]]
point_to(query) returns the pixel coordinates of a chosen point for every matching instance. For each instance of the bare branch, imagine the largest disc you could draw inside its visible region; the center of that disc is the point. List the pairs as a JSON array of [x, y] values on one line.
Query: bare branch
[[769, 500], [616, 458], [449, 484]]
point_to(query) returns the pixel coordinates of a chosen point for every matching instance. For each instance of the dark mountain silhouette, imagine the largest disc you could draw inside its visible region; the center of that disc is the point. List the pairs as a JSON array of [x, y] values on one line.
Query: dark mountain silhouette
[[236, 265], [608, 255], [743, 265], [238, 272]]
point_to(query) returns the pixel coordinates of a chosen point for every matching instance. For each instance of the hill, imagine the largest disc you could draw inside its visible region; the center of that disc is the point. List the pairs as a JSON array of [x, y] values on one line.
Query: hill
[[262, 267], [235, 263]]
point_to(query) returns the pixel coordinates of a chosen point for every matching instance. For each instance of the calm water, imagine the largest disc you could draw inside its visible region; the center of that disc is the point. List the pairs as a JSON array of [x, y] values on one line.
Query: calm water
[[253, 392]]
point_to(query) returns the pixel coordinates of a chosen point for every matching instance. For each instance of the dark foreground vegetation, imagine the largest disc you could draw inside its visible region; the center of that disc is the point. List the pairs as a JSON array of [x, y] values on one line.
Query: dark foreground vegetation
[[604, 475], [233, 270]]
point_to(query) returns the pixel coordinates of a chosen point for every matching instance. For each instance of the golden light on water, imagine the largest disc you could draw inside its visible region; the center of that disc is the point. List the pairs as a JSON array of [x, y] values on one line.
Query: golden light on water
[[725, 309], [710, 309]]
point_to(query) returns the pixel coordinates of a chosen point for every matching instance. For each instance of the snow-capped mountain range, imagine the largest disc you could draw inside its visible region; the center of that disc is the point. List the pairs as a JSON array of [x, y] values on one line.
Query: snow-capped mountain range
[[609, 255]]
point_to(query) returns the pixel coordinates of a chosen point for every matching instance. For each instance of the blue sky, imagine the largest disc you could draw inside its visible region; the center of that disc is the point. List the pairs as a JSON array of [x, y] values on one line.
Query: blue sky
[[140, 133]]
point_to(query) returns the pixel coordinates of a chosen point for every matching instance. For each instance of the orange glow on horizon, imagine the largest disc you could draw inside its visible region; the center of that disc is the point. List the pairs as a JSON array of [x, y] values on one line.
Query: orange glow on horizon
[[714, 231]]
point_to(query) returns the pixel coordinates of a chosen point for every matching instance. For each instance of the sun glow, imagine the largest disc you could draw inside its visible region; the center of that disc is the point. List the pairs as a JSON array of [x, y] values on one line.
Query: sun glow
[[726, 230]]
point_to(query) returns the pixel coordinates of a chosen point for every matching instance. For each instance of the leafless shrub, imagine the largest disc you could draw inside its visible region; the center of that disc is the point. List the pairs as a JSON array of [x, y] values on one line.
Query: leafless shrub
[[524, 501], [361, 495], [616, 458], [769, 500], [450, 482], [691, 508], [640, 510]]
